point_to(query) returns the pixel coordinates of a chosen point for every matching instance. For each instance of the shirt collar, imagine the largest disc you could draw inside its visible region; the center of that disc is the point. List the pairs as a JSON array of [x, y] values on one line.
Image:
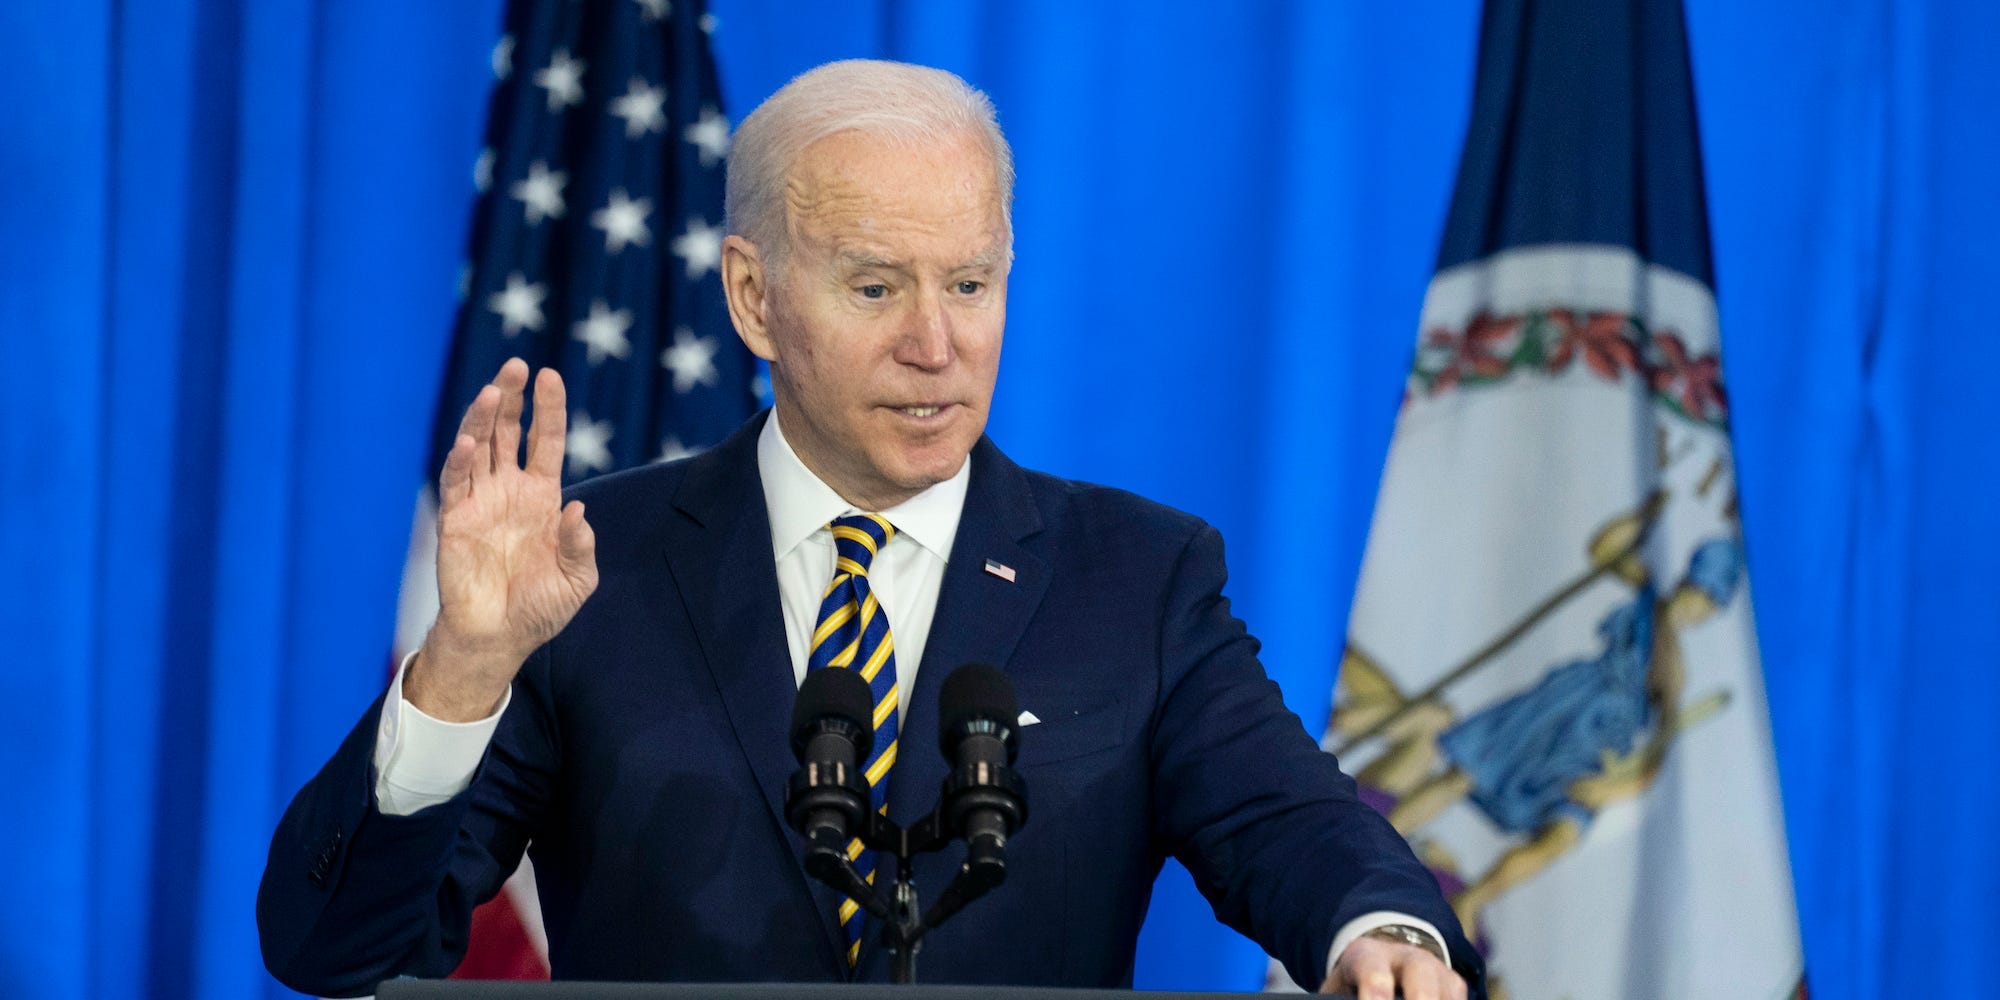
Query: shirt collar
[[800, 503]]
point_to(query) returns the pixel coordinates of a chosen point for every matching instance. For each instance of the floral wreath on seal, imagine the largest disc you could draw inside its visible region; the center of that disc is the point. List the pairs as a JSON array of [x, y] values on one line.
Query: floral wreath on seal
[[1609, 344]]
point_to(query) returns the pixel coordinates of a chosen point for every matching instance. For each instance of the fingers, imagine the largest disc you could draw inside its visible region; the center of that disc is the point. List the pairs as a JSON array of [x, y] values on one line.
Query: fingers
[[1363, 970], [489, 435], [455, 480], [1421, 977], [512, 381], [550, 427], [1374, 977], [477, 424], [1373, 970]]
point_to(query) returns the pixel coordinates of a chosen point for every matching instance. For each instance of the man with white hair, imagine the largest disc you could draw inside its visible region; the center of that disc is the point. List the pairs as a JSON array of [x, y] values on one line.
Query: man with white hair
[[622, 706]]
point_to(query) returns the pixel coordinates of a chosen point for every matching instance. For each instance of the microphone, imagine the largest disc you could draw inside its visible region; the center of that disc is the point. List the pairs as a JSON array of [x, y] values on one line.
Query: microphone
[[827, 798], [984, 800]]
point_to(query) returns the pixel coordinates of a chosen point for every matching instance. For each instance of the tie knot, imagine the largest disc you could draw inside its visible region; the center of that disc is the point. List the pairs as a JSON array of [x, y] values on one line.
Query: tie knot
[[858, 537]]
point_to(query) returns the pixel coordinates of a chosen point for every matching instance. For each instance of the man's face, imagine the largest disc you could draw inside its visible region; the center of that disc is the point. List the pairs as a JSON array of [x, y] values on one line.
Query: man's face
[[883, 332]]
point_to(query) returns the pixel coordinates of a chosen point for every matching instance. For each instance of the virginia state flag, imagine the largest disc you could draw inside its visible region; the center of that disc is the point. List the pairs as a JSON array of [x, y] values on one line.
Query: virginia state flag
[[1551, 682]]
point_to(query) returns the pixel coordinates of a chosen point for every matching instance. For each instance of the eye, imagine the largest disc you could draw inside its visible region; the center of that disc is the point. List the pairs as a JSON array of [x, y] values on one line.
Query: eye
[[971, 287], [874, 291]]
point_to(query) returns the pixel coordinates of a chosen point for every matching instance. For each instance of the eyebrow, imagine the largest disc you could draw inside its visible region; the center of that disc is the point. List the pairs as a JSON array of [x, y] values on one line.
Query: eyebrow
[[986, 259], [856, 258]]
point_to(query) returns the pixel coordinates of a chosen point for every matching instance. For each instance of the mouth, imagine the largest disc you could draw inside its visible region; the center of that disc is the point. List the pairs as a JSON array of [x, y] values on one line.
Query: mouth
[[921, 411]]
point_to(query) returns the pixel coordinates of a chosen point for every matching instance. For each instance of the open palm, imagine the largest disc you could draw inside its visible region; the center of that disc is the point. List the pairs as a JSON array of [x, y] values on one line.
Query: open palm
[[514, 563]]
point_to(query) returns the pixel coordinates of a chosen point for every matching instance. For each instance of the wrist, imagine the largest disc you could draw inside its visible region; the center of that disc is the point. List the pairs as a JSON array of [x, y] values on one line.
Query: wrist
[[453, 683], [1352, 932], [1406, 934]]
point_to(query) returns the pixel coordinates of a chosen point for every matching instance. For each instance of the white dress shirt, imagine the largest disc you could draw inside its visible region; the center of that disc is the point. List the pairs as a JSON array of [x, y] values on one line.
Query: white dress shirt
[[905, 575], [421, 761]]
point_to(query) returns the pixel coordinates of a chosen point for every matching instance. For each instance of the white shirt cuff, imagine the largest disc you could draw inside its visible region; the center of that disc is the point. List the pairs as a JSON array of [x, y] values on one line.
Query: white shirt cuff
[[1381, 918], [421, 761]]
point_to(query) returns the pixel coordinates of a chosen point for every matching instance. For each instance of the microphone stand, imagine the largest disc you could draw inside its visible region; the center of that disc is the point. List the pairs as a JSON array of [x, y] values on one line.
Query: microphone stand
[[983, 801], [904, 924]]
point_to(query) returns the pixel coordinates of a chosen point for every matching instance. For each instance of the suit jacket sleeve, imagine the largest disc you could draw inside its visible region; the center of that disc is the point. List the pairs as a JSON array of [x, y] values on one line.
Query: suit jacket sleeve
[[1273, 833], [352, 896]]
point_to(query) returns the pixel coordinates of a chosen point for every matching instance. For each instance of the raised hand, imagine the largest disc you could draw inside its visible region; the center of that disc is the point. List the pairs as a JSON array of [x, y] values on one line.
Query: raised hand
[[514, 563]]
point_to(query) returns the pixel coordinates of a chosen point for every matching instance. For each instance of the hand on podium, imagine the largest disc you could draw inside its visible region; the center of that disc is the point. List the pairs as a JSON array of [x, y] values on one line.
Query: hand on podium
[[1371, 968]]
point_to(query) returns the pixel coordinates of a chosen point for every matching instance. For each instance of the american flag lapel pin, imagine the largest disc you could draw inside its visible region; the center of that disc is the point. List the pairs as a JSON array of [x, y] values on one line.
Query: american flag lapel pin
[[1001, 570]]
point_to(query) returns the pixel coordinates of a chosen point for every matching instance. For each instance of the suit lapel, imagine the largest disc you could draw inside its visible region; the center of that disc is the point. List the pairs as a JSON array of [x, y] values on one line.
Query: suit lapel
[[723, 567], [979, 619], [725, 572]]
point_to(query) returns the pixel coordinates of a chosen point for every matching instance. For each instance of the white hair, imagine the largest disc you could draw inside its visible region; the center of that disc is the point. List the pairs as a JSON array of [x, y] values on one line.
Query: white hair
[[899, 102]]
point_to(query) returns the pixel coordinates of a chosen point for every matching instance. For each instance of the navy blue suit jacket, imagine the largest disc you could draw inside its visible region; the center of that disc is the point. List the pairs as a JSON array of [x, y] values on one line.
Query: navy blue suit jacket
[[645, 754]]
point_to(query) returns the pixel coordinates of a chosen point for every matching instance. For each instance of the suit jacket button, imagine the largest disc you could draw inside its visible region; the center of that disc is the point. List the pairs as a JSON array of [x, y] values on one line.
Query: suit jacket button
[[322, 862]]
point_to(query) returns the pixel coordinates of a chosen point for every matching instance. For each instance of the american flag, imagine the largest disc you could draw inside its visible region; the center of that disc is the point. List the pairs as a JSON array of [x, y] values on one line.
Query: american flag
[[595, 249], [598, 237]]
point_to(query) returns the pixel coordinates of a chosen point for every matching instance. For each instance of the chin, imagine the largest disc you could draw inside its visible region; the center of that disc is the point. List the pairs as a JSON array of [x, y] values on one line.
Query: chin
[[923, 477], [933, 466]]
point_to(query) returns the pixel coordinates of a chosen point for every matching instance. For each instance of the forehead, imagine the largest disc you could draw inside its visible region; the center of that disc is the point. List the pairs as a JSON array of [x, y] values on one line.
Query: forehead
[[857, 193]]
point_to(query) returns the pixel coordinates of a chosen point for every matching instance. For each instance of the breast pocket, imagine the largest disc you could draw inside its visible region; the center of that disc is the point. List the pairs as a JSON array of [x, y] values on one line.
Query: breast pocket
[[1072, 727]]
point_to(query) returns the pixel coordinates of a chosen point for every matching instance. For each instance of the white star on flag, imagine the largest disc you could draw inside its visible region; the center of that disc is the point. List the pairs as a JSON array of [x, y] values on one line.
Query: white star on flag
[[563, 78], [623, 220], [641, 107], [519, 305], [700, 246], [691, 359], [541, 192], [708, 24], [588, 444], [672, 450], [710, 135], [585, 227], [482, 170], [604, 332]]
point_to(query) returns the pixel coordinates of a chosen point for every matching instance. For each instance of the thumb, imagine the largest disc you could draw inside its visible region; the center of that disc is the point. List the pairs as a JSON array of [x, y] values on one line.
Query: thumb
[[576, 546]]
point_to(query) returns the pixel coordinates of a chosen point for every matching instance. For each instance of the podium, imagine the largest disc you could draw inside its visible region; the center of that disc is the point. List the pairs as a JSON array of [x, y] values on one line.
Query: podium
[[467, 989]]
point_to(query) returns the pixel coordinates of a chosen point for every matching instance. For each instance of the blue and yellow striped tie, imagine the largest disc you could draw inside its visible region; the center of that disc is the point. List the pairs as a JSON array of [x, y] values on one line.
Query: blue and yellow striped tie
[[853, 632]]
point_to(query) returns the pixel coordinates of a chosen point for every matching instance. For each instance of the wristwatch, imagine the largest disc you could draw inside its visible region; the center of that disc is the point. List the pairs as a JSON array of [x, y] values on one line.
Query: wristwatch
[[1405, 934]]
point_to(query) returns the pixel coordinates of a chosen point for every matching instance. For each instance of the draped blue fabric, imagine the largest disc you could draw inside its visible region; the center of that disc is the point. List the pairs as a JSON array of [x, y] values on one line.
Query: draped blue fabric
[[229, 235]]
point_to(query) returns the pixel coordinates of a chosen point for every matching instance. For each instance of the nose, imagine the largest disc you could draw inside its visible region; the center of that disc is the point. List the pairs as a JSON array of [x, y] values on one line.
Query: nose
[[926, 341]]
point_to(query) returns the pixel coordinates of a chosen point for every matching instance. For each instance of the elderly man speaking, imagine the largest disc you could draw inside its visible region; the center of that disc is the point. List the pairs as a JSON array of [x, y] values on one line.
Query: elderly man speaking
[[610, 677]]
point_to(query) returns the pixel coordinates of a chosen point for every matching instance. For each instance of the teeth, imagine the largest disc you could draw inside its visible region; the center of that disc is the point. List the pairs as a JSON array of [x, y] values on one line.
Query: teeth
[[920, 411]]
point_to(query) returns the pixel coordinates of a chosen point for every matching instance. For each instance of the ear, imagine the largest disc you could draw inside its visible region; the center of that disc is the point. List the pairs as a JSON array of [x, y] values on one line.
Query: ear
[[744, 287]]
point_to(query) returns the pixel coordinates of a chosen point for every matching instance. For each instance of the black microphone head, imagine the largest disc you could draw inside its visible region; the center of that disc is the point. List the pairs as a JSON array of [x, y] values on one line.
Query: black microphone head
[[977, 697], [834, 693]]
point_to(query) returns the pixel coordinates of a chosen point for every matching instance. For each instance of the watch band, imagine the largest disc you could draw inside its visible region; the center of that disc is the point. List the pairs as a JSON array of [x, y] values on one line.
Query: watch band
[[1405, 934]]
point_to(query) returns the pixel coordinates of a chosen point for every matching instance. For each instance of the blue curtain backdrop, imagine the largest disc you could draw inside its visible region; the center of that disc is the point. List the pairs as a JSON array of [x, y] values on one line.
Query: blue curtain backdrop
[[229, 234]]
